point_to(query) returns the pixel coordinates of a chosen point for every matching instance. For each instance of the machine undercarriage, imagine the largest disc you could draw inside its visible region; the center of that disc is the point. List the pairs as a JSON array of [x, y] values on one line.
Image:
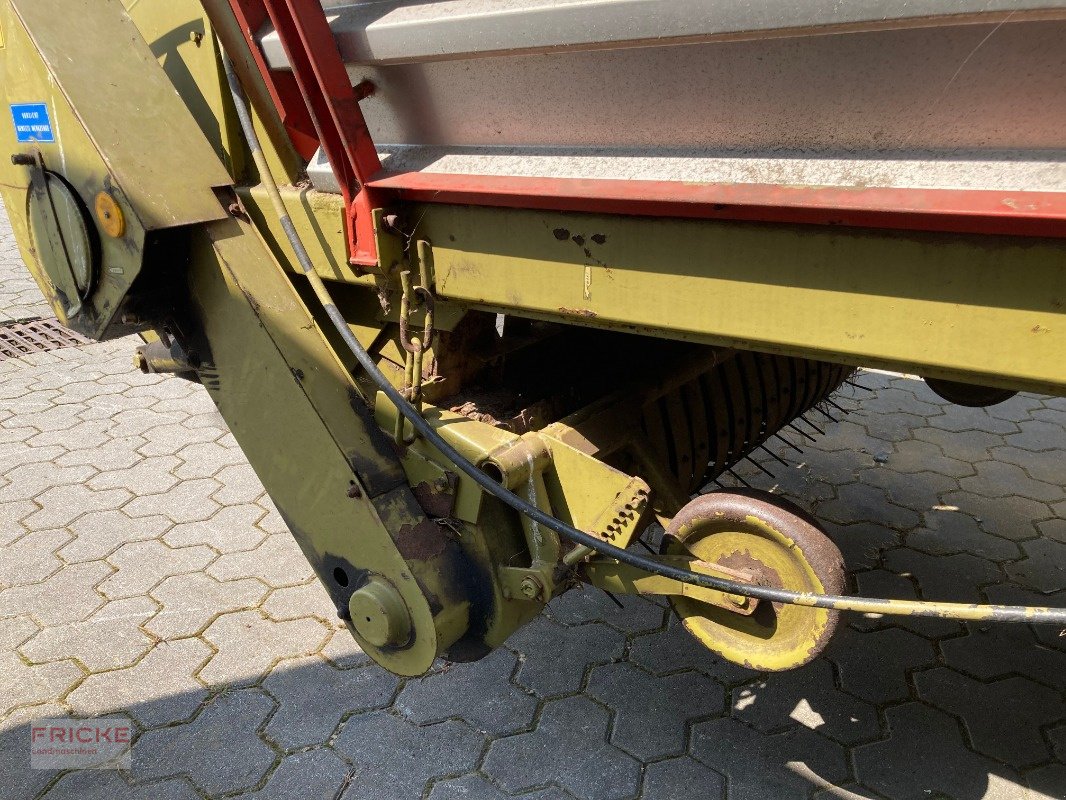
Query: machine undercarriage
[[467, 394]]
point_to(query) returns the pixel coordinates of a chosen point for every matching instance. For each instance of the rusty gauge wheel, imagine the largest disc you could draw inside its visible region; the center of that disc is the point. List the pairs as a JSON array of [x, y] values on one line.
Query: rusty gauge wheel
[[782, 547]]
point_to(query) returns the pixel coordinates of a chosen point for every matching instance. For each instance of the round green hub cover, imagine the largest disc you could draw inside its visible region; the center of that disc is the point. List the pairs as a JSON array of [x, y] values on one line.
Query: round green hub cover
[[379, 615], [62, 239]]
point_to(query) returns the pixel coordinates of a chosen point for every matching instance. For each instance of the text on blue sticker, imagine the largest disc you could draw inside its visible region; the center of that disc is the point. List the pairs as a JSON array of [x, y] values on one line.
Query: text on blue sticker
[[32, 123]]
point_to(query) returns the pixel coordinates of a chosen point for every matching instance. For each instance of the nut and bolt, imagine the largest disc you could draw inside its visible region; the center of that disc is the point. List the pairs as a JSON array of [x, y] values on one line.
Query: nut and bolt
[[530, 588]]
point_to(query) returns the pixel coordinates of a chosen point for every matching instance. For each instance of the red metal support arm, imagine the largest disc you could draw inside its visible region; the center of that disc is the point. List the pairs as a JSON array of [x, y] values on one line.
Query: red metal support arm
[[330, 102]]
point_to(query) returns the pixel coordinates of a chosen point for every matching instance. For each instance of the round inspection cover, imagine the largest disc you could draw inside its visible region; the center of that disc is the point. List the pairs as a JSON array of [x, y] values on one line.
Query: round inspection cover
[[62, 239]]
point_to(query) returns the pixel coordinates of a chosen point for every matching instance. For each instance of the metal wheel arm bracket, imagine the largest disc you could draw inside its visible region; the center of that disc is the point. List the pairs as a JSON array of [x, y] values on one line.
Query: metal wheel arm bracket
[[618, 578]]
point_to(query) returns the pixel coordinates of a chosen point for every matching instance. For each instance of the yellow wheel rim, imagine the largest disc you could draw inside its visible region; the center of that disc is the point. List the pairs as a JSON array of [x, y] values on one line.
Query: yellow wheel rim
[[782, 549]]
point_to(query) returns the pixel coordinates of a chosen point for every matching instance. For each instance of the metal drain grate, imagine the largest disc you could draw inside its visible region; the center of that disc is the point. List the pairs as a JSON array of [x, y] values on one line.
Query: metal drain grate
[[35, 336]]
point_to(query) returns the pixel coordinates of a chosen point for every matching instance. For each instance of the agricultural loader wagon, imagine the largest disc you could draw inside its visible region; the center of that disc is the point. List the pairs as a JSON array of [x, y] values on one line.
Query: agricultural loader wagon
[[487, 289]]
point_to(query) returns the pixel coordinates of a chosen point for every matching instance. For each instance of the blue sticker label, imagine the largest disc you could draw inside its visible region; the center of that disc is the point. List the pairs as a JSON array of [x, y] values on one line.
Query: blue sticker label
[[32, 123]]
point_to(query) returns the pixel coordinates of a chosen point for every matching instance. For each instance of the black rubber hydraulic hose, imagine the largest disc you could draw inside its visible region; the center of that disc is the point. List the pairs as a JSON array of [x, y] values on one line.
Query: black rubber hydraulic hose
[[519, 504]]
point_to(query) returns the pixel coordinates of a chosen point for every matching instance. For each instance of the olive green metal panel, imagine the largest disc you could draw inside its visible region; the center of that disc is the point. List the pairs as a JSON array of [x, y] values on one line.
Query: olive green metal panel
[[277, 384], [984, 309], [314, 365], [121, 134], [135, 118], [319, 219], [24, 78], [179, 36], [280, 153]]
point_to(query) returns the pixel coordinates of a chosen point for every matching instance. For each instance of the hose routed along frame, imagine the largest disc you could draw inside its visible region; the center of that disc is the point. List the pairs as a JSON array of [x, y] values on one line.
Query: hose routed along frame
[[962, 611]]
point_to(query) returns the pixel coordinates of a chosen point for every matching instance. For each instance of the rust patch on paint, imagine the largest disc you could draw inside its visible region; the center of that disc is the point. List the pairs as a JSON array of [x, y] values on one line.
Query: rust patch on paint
[[437, 498], [422, 541]]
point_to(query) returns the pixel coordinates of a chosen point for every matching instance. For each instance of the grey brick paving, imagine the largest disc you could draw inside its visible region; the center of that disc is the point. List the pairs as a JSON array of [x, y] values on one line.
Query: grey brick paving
[[652, 713], [545, 645], [948, 532], [97, 783], [681, 779], [219, 751], [23, 684], [313, 695], [249, 645], [165, 676], [986, 709], [807, 697], [873, 665], [274, 561], [476, 787], [1055, 528], [568, 749], [1043, 567], [481, 693], [587, 604], [190, 602], [98, 534], [937, 763], [21, 297], [394, 758], [19, 780], [316, 774], [140, 566], [756, 766], [109, 639], [988, 652], [233, 529], [144, 572]]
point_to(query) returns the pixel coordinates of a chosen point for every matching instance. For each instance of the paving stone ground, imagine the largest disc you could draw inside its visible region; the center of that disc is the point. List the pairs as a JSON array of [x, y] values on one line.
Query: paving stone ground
[[144, 573]]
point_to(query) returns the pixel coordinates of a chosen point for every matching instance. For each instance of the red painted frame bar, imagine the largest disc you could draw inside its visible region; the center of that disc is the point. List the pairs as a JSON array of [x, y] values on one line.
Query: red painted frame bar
[[251, 15], [945, 210], [333, 107], [328, 99]]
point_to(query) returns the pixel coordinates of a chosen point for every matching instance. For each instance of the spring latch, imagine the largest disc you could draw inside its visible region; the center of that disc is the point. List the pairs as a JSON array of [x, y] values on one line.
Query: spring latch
[[411, 299]]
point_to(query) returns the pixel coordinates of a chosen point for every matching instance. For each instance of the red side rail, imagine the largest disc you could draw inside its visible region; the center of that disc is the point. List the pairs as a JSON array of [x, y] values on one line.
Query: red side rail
[[949, 210], [318, 94]]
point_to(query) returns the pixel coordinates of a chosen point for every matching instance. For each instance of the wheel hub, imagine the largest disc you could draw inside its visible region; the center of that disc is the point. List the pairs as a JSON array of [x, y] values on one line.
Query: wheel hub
[[781, 548]]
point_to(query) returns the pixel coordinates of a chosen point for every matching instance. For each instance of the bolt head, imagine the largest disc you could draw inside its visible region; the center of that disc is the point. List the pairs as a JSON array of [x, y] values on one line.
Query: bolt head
[[739, 600]]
